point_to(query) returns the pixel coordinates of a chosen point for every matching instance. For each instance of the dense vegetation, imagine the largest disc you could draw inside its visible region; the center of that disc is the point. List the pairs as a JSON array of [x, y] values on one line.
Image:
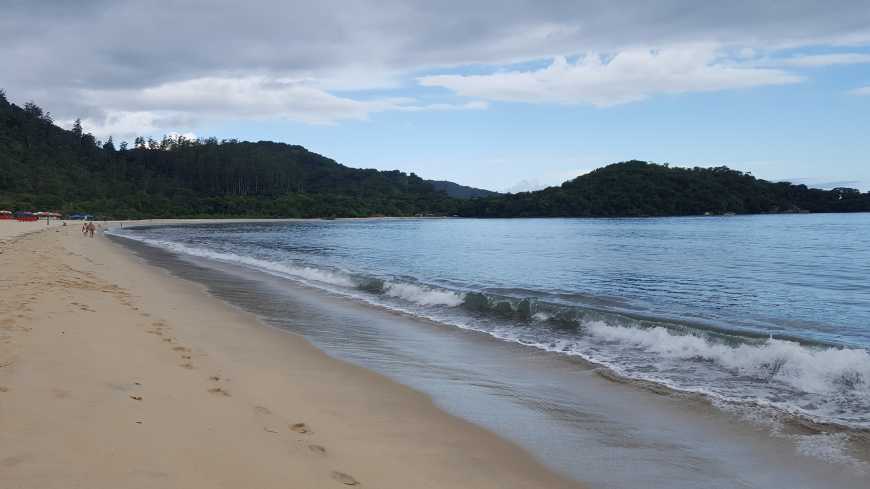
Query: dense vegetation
[[637, 188], [43, 167], [461, 191]]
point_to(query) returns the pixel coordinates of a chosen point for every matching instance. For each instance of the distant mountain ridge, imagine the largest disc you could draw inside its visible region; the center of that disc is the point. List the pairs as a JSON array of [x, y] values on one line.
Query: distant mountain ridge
[[44, 167], [461, 191], [640, 189]]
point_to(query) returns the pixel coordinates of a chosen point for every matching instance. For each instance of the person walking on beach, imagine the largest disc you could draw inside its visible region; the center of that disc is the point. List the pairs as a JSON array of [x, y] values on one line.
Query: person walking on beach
[[84, 228], [91, 229]]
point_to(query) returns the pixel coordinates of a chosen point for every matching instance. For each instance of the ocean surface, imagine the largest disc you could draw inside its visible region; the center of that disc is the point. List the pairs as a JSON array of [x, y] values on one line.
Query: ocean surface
[[766, 318]]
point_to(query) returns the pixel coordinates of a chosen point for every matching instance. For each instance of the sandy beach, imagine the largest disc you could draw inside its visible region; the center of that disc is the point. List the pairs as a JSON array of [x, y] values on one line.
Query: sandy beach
[[10, 229], [114, 374]]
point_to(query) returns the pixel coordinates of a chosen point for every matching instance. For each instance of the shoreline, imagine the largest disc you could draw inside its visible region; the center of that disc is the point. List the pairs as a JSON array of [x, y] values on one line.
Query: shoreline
[[567, 424], [796, 420], [107, 358], [695, 323]]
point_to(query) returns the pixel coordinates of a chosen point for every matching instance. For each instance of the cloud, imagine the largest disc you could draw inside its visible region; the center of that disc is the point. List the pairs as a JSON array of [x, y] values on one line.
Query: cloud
[[525, 185], [863, 91], [627, 76], [123, 125], [821, 60], [823, 184], [54, 51], [250, 97], [185, 104], [134, 44], [473, 105]]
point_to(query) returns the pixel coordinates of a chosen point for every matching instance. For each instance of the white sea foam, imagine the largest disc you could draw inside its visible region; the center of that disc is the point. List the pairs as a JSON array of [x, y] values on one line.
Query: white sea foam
[[830, 447], [823, 384], [425, 296], [808, 369], [418, 294], [304, 273]]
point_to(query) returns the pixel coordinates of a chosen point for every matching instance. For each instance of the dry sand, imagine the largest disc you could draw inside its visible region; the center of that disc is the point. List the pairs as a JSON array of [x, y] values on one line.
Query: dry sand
[[114, 374], [10, 228]]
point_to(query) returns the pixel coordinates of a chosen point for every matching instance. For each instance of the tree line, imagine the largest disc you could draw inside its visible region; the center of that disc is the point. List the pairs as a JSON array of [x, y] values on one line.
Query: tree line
[[44, 167], [639, 189]]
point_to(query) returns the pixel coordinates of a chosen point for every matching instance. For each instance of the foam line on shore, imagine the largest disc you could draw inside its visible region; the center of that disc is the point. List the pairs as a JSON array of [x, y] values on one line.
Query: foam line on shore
[[106, 358]]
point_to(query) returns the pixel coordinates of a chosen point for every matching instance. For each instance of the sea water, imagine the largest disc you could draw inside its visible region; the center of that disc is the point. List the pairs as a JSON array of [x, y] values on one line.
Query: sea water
[[766, 317]]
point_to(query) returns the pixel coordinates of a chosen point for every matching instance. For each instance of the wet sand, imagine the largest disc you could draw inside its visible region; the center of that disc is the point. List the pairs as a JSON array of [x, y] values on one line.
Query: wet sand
[[114, 373], [569, 414]]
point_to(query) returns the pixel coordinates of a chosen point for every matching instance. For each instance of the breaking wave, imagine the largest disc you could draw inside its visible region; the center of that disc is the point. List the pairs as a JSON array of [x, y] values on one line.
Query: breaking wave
[[807, 369], [306, 273], [418, 294], [821, 383], [425, 296]]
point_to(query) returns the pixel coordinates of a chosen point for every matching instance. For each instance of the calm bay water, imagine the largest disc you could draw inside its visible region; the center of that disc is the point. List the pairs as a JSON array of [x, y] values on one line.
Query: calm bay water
[[770, 311]]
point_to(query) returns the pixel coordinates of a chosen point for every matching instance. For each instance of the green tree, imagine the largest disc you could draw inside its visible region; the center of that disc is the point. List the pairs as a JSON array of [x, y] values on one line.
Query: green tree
[[77, 128]]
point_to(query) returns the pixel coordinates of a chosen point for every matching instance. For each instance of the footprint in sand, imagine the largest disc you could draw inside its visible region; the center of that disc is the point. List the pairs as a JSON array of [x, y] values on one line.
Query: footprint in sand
[[82, 307], [188, 366], [262, 410], [136, 398], [16, 460], [300, 428], [4, 389], [344, 478], [218, 391], [61, 393], [181, 348], [317, 449]]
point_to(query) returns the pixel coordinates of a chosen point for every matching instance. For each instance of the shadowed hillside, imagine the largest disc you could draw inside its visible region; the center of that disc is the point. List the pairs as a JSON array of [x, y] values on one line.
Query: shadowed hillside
[[637, 188], [45, 167], [461, 191], [48, 168]]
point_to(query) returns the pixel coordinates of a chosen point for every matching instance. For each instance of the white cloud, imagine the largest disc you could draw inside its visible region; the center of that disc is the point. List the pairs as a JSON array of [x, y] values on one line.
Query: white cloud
[[125, 125], [183, 104], [336, 45], [246, 97], [186, 135], [525, 185], [627, 76], [160, 61], [820, 60], [474, 105], [863, 91]]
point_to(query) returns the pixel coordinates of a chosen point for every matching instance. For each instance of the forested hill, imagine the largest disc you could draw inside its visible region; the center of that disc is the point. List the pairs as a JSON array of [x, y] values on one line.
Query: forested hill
[[461, 191], [44, 167], [638, 188]]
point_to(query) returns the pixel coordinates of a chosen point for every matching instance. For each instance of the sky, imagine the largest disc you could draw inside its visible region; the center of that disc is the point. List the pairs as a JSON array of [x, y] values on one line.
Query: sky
[[507, 95]]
